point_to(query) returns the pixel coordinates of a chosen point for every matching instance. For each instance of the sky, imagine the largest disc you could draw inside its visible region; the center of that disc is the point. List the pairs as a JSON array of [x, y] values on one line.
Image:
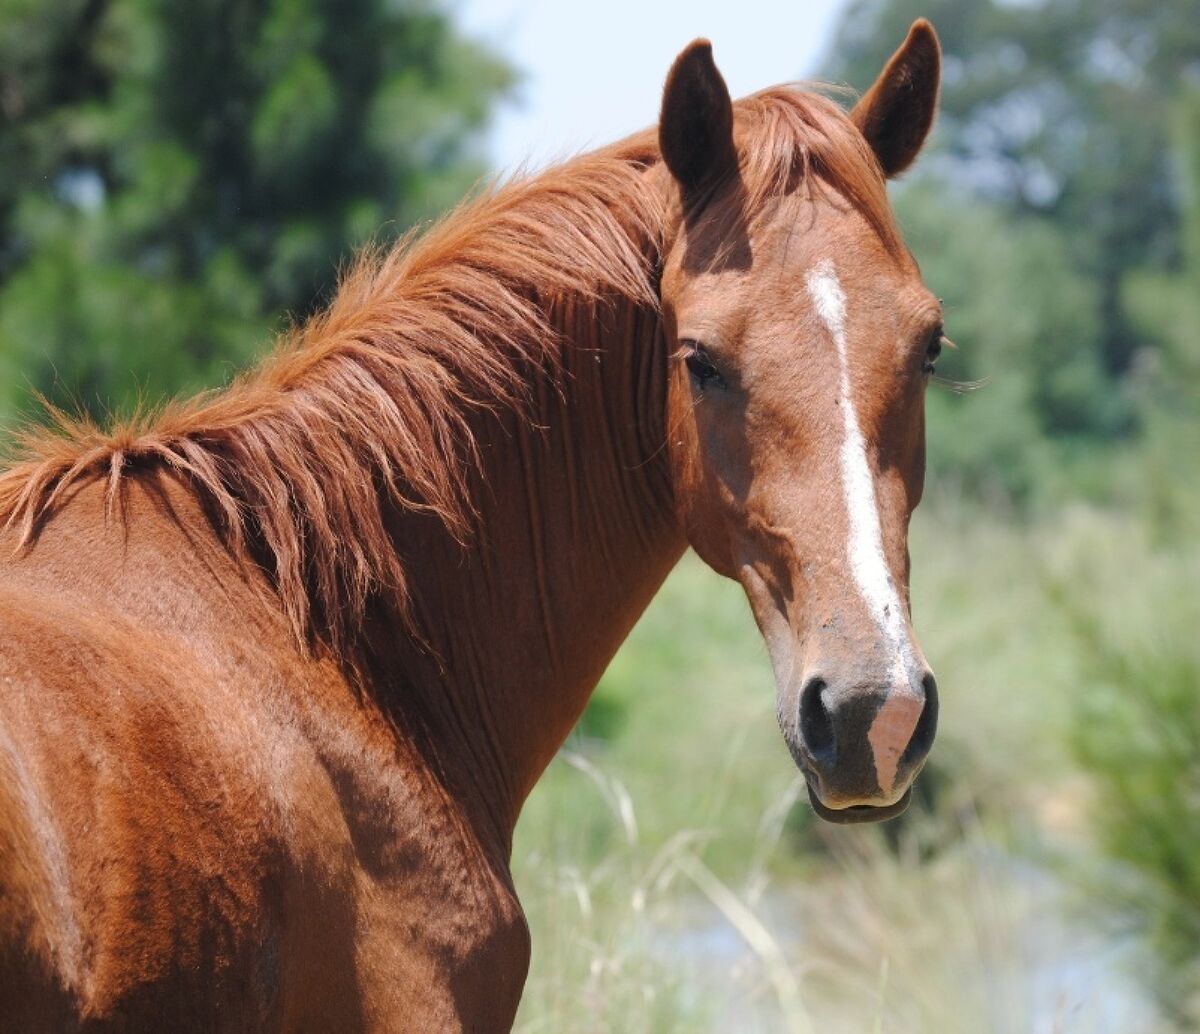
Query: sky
[[593, 72]]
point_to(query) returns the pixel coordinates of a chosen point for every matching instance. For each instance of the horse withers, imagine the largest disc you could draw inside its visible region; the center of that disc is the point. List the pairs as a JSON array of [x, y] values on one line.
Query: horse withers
[[279, 665]]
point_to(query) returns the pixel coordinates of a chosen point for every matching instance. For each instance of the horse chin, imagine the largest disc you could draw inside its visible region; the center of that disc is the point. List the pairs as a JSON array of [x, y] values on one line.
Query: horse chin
[[859, 812]]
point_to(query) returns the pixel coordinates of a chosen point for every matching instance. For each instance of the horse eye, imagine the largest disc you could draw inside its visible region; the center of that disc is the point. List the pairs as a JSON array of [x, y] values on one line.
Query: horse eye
[[701, 368], [933, 350]]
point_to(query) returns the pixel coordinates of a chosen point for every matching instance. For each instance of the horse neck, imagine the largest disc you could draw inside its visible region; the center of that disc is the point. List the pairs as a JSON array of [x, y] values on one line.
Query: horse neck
[[576, 531]]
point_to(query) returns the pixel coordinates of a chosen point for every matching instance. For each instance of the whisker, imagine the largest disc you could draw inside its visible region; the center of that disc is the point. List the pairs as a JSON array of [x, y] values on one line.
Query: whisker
[[960, 387]]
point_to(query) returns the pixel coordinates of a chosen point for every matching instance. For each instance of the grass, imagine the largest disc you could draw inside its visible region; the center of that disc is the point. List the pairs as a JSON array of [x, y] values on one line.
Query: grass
[[675, 879], [1138, 738]]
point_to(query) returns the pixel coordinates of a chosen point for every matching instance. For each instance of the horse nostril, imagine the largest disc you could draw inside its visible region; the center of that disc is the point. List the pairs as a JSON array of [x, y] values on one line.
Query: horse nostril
[[816, 723], [922, 737]]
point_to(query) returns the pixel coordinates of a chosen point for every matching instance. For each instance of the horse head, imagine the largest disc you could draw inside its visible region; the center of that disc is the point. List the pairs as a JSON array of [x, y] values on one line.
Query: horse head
[[804, 339]]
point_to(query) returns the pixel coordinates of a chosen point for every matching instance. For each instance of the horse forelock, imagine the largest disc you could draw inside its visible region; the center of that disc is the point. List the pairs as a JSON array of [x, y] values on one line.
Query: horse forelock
[[799, 139], [370, 404]]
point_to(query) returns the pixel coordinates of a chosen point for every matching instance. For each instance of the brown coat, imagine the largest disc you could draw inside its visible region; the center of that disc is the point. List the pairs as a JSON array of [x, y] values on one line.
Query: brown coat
[[279, 666]]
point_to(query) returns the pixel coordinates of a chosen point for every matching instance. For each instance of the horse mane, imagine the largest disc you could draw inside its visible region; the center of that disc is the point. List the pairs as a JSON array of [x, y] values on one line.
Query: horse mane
[[370, 403]]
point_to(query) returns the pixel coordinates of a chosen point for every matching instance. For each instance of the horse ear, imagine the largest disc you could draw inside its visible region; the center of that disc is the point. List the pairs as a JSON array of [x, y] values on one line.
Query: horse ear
[[695, 129], [896, 113]]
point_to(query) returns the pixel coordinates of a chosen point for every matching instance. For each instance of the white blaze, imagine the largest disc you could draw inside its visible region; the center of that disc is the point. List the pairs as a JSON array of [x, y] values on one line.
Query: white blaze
[[864, 545]]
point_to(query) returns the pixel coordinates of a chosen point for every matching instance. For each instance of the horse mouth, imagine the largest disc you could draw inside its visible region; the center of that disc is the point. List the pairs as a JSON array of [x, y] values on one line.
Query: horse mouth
[[857, 813]]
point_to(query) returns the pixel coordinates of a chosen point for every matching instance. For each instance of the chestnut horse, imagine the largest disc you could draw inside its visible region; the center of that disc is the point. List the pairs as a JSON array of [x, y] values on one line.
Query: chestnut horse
[[279, 665]]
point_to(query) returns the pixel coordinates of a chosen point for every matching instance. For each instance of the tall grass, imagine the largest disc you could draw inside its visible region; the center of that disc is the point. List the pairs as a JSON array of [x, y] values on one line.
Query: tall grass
[[967, 938], [1138, 737]]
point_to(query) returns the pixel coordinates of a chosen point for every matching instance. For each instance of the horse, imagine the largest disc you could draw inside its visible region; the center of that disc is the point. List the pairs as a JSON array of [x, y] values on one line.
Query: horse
[[279, 664]]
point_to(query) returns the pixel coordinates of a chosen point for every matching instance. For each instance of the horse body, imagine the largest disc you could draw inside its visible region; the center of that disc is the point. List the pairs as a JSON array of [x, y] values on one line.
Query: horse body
[[278, 669], [260, 841]]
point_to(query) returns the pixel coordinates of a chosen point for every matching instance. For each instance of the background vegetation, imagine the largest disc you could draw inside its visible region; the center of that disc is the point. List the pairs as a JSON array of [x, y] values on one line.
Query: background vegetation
[[176, 180]]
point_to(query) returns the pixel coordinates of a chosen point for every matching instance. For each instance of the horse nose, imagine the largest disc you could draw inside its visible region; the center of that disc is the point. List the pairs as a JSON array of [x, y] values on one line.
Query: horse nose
[[864, 743]]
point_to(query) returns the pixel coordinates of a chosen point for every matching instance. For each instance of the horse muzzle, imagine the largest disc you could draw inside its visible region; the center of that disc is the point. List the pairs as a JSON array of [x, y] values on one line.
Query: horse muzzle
[[860, 746]]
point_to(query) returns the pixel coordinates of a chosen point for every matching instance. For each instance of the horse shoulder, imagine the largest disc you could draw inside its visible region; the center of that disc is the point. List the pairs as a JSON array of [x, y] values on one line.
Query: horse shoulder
[[151, 774], [31, 924], [238, 838]]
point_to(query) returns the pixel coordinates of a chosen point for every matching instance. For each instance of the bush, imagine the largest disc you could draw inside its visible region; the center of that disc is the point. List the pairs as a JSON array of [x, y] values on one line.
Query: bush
[[1138, 736]]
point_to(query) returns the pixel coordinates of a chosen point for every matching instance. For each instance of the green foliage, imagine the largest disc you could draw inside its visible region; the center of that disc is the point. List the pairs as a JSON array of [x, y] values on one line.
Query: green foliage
[[176, 178], [1025, 320], [1138, 736], [1138, 733], [1165, 304]]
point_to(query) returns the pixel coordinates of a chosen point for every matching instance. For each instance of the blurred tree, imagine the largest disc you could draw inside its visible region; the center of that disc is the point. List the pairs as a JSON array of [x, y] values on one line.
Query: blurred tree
[[1028, 322], [1165, 308], [176, 176], [1138, 733], [1059, 109], [1165, 305], [1138, 737]]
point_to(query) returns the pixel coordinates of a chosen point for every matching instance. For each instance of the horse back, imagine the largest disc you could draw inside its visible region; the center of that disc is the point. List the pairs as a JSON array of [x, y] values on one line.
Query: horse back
[[148, 840], [203, 829]]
